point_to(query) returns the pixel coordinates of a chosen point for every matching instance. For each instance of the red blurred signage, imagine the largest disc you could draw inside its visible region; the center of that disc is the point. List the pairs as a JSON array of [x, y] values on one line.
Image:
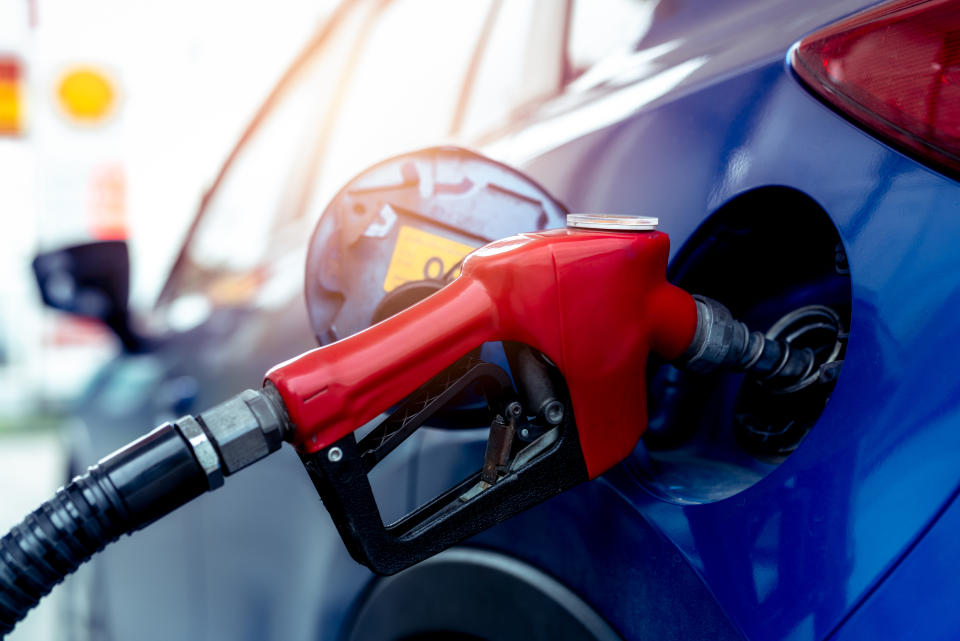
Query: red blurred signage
[[11, 97]]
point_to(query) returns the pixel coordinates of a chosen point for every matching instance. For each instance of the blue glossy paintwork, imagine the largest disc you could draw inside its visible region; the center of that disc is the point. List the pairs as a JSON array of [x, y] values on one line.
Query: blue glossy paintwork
[[788, 557], [919, 598], [595, 542]]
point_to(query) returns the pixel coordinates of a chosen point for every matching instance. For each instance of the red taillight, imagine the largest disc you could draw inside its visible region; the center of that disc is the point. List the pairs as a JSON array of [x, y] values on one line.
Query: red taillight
[[896, 70]]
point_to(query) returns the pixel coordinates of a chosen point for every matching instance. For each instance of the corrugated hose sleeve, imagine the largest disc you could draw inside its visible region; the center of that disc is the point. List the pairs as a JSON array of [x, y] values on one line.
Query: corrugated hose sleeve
[[54, 540], [122, 493], [131, 488]]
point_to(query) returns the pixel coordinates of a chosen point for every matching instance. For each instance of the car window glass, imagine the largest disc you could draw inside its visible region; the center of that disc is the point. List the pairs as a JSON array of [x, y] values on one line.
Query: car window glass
[[253, 208], [405, 88], [128, 384], [521, 64], [603, 28]]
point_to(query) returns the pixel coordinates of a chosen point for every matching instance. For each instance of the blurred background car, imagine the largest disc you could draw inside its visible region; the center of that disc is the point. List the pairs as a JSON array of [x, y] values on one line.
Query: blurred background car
[[98, 102], [804, 515]]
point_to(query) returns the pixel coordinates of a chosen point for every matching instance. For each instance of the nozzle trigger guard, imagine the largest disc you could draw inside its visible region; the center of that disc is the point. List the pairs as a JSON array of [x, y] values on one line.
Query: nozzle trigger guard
[[544, 468]]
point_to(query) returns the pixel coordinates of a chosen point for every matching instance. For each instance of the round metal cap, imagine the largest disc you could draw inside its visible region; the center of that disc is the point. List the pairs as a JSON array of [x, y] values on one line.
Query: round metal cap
[[613, 222]]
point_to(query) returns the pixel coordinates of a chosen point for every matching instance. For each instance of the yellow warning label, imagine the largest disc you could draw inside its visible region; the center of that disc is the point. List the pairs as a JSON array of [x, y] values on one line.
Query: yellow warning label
[[419, 254]]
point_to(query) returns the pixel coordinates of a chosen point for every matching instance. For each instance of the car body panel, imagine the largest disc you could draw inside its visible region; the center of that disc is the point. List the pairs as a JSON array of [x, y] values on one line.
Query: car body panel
[[919, 594], [788, 558]]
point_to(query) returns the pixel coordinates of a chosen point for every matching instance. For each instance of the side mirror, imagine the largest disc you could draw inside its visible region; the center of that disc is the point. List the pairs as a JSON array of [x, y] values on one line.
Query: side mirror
[[90, 280]]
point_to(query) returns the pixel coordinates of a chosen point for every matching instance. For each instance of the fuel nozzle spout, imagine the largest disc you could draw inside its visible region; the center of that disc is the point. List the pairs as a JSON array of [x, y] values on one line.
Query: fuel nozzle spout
[[721, 342]]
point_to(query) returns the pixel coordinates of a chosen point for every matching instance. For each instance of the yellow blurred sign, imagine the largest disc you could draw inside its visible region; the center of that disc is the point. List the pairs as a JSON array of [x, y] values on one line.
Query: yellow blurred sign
[[86, 94], [419, 254], [11, 97]]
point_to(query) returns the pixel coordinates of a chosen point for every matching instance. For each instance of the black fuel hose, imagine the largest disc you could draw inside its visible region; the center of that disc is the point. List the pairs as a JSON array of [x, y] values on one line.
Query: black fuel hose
[[128, 490]]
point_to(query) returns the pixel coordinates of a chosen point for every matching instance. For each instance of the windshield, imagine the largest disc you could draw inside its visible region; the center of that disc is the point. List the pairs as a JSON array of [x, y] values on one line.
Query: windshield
[[358, 99], [253, 207], [404, 90]]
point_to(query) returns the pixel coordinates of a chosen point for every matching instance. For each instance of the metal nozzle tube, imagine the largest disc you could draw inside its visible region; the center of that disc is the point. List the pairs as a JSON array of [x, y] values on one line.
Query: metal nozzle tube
[[723, 343]]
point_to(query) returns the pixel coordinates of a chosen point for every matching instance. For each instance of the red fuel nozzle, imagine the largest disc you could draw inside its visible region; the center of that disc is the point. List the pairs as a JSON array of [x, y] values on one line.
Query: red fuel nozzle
[[595, 302]]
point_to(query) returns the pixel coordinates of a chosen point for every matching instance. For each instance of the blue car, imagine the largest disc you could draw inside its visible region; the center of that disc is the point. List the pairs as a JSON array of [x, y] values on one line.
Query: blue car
[[802, 156]]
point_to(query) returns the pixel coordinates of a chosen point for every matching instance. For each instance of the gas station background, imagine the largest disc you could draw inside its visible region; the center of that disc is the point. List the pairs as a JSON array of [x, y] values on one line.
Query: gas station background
[[115, 117]]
